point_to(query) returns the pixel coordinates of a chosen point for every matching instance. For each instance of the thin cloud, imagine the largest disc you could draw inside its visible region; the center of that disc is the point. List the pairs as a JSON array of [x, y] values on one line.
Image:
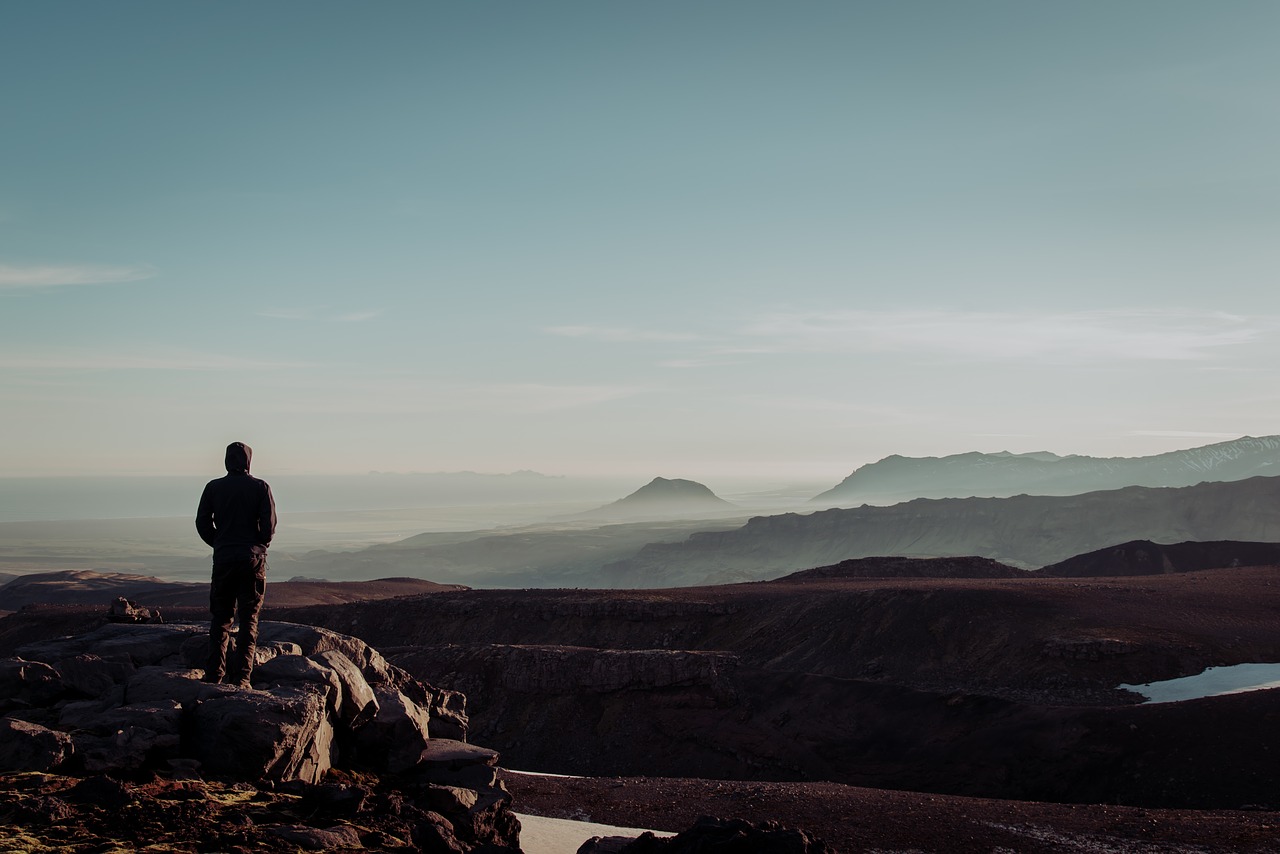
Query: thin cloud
[[618, 334], [1184, 434], [321, 315], [149, 361], [1068, 337], [410, 396], [58, 275], [1046, 337]]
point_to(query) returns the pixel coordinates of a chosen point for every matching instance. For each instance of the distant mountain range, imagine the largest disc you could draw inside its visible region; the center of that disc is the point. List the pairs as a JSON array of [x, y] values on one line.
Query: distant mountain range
[[1003, 474], [665, 498], [1024, 531]]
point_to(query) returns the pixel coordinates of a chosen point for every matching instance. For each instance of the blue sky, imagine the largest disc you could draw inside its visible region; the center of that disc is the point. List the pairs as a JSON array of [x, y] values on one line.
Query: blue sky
[[711, 239]]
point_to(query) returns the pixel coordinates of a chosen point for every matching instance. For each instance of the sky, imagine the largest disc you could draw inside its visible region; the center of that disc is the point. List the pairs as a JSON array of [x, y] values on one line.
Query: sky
[[723, 238]]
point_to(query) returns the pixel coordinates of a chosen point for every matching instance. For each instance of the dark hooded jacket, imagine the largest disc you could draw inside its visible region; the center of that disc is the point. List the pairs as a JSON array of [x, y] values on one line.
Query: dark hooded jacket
[[237, 515]]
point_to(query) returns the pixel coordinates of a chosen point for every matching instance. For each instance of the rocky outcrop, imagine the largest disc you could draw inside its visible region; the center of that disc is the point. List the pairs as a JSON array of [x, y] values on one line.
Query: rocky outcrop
[[126, 697]]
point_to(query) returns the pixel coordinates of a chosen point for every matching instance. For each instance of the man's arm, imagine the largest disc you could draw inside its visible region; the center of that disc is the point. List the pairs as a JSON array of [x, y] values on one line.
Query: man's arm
[[267, 516], [205, 525]]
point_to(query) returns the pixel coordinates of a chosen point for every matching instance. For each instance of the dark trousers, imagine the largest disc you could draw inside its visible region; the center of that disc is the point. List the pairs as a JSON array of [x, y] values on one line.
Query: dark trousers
[[238, 586]]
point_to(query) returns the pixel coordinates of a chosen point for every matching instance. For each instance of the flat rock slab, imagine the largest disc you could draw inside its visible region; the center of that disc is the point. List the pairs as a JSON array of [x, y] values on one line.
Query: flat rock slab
[[457, 754]]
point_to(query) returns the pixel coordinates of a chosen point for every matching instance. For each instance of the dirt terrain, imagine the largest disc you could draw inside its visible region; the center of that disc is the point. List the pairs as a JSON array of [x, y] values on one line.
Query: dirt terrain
[[880, 713], [853, 819]]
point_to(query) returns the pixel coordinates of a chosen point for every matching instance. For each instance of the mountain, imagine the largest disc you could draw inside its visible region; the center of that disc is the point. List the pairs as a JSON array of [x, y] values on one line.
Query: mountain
[[1026, 531], [663, 498], [1143, 557], [1003, 474]]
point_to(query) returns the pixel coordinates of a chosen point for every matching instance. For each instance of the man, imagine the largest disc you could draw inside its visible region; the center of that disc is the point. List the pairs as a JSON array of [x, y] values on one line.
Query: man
[[237, 516]]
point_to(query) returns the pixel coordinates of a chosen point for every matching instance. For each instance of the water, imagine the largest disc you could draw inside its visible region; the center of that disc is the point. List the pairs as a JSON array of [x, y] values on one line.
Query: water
[[1214, 682]]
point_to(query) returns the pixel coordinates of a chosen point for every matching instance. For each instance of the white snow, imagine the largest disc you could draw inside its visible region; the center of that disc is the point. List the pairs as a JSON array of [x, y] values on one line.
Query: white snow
[[542, 835], [1213, 682]]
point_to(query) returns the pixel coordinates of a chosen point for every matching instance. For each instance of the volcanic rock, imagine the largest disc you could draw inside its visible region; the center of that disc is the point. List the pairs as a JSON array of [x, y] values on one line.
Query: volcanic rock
[[30, 747], [320, 700]]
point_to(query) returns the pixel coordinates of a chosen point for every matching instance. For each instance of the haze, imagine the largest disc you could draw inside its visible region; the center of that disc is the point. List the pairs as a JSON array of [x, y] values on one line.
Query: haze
[[767, 240]]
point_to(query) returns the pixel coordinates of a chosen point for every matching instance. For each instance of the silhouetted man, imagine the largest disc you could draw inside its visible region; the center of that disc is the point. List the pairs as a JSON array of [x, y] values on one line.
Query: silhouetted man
[[237, 516]]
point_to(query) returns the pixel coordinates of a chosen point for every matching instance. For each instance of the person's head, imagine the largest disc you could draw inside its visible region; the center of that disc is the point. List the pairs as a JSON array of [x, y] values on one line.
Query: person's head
[[238, 457]]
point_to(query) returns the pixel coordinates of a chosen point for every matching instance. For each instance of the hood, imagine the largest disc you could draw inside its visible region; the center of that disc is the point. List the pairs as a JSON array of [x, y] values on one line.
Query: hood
[[238, 456]]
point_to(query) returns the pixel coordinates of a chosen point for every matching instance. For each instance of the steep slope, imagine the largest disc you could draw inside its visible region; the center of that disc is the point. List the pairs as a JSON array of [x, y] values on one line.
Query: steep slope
[[1026, 531], [898, 478], [1143, 557], [663, 498]]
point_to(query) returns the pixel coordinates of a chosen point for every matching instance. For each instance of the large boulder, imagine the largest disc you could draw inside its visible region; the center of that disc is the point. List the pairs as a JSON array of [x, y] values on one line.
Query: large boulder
[[142, 644], [397, 736], [25, 684], [26, 746], [285, 734]]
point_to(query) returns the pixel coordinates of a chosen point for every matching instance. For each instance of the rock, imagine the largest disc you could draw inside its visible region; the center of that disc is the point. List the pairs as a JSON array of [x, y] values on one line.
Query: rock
[[444, 755], [30, 747], [81, 715], [124, 610], [92, 675], [435, 835], [311, 640], [252, 735], [195, 650], [315, 839], [286, 669], [155, 683], [129, 737], [397, 736], [100, 791], [448, 711], [357, 703], [26, 683], [449, 800], [335, 798], [142, 644], [126, 750]]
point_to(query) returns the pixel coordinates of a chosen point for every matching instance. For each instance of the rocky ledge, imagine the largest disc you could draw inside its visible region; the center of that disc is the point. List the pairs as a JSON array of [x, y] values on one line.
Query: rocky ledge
[[124, 704]]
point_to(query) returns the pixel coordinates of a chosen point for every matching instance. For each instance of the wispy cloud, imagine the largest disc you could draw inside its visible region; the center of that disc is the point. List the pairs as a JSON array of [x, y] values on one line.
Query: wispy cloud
[[151, 360], [619, 334], [408, 396], [321, 314], [1047, 337], [1068, 336], [56, 275], [1184, 434]]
